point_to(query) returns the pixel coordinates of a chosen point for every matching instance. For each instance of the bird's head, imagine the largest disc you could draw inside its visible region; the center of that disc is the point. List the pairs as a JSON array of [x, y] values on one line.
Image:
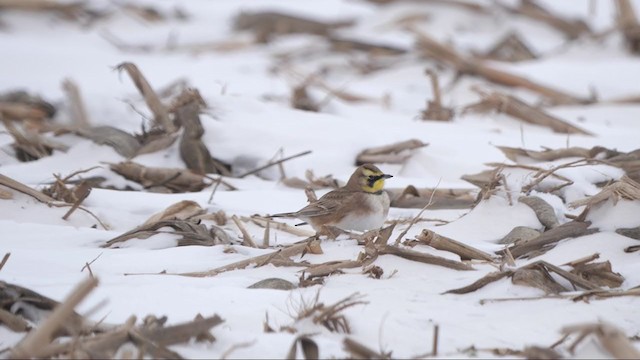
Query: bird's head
[[368, 178]]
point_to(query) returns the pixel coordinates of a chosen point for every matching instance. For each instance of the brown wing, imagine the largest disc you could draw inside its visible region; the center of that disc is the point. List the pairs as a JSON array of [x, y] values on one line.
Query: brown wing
[[327, 204]]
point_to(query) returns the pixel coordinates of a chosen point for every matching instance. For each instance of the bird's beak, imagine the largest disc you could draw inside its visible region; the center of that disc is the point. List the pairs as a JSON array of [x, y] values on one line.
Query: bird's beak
[[386, 176]]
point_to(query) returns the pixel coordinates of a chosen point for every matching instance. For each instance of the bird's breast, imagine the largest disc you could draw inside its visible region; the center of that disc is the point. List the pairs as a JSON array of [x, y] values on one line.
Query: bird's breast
[[374, 213]]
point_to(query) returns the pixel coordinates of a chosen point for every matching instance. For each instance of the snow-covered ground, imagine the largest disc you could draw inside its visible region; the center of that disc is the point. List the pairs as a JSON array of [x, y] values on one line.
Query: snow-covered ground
[[249, 120]]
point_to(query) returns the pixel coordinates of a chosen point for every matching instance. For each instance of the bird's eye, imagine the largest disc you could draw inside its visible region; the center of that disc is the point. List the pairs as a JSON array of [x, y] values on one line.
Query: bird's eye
[[371, 180]]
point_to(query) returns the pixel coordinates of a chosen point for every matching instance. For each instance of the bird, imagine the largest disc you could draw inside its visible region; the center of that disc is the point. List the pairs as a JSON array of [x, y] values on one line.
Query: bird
[[360, 205]]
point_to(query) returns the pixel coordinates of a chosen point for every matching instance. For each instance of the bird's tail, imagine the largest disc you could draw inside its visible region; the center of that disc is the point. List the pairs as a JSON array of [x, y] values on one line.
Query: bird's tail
[[289, 214]]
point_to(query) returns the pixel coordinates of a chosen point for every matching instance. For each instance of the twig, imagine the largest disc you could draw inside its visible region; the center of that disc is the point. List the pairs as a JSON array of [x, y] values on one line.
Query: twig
[[247, 240], [583, 260], [215, 187], [37, 342], [445, 54], [18, 186], [82, 192], [161, 116], [219, 178], [265, 237], [549, 237], [435, 110], [485, 280], [27, 190], [423, 257], [66, 178], [439, 242], [262, 222], [417, 217], [555, 296], [87, 265], [285, 252], [551, 171], [513, 106], [508, 257], [271, 163], [360, 351], [83, 209], [4, 260], [436, 333], [571, 28], [78, 110], [237, 346]]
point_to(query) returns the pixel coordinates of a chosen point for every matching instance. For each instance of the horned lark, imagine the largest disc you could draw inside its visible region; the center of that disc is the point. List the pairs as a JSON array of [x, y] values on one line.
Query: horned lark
[[359, 205]]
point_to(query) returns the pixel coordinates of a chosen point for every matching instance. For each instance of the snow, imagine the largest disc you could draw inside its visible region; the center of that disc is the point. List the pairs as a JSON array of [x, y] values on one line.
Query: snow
[[249, 120]]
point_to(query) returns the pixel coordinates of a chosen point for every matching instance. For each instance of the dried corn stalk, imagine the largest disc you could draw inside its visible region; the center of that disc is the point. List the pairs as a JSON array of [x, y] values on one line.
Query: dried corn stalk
[[510, 105], [395, 153], [625, 188], [160, 179]]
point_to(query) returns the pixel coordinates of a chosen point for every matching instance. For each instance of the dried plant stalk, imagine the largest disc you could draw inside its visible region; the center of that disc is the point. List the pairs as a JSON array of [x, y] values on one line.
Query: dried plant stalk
[[78, 109], [35, 344], [160, 114], [514, 154], [182, 210], [627, 22], [18, 111], [445, 54], [14, 322], [600, 273], [121, 141], [510, 48], [20, 187], [343, 44], [567, 230], [537, 278], [444, 243], [331, 267], [181, 333], [625, 188], [518, 109], [395, 153], [571, 28], [267, 24], [460, 4], [193, 151], [247, 240], [286, 252], [612, 339], [361, 351], [414, 198], [423, 258], [482, 282], [435, 110], [176, 180], [573, 278]]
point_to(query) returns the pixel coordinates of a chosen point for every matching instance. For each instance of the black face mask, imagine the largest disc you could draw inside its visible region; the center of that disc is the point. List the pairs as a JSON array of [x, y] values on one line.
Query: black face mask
[[372, 179]]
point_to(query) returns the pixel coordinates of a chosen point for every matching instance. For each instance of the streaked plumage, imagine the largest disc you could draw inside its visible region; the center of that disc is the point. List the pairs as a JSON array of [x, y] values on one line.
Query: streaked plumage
[[360, 205]]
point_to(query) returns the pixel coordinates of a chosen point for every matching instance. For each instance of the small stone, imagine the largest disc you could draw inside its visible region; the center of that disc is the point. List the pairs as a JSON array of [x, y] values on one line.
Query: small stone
[[519, 233], [273, 283]]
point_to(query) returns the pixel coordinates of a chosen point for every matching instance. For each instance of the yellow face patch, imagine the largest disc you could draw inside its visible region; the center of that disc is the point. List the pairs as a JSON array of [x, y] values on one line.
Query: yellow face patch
[[373, 181], [377, 186]]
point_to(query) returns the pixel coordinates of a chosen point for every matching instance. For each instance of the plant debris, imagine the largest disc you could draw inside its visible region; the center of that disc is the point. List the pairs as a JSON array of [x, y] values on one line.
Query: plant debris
[[512, 106], [585, 274], [160, 179], [396, 153], [266, 25]]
